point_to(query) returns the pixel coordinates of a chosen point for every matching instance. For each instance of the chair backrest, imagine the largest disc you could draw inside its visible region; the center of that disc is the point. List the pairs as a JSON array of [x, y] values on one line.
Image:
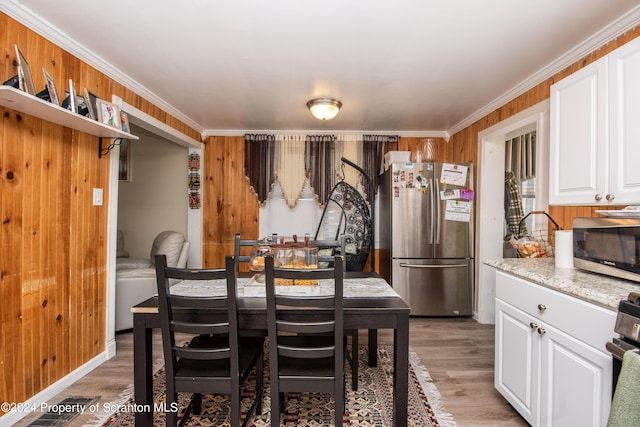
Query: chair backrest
[[346, 214], [244, 255], [328, 322], [174, 310]]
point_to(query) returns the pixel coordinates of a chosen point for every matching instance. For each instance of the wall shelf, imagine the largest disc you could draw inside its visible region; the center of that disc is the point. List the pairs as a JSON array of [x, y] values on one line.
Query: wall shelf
[[18, 100]]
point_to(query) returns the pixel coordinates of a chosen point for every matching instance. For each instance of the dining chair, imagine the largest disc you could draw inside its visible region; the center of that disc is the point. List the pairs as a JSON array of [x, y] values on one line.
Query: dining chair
[[302, 356], [244, 255], [327, 250], [217, 360]]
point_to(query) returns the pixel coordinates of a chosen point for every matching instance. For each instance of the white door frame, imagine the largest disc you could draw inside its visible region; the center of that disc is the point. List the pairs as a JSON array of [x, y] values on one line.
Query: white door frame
[[490, 203], [194, 216]]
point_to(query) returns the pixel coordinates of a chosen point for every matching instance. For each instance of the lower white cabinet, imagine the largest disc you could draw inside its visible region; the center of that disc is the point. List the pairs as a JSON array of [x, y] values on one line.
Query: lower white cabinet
[[550, 358]]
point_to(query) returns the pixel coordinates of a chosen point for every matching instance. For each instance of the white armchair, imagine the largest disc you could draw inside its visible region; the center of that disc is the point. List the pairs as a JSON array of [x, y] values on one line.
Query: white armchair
[[136, 277]]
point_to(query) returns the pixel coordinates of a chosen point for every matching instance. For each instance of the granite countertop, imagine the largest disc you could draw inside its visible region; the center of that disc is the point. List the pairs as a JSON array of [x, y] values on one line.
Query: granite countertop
[[602, 290]]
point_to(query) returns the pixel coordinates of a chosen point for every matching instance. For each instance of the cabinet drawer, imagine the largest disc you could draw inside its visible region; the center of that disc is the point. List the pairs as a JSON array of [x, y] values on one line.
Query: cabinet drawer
[[584, 321]]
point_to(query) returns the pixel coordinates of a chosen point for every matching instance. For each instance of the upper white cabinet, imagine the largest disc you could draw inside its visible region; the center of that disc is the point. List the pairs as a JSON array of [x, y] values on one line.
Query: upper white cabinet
[[624, 123], [595, 131]]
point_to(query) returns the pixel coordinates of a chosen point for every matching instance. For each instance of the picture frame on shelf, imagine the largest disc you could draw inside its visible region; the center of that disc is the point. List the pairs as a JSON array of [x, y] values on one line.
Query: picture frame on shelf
[[70, 101], [51, 88], [66, 100], [24, 74], [124, 165], [92, 98], [83, 106], [124, 122], [44, 94], [108, 113], [73, 101]]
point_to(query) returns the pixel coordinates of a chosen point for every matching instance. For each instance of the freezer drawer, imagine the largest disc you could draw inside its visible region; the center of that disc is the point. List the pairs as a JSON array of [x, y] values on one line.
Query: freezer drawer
[[434, 287]]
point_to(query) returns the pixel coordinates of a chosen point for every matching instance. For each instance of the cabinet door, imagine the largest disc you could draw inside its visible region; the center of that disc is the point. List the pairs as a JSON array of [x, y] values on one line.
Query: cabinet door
[[624, 103], [516, 359], [579, 134], [575, 385]]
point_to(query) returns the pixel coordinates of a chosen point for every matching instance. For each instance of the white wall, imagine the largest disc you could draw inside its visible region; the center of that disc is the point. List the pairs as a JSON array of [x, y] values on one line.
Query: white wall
[[276, 217], [156, 197]]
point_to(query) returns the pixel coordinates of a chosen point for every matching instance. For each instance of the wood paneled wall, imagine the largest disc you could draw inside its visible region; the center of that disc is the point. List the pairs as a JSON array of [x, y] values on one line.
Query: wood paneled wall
[[53, 241], [230, 205]]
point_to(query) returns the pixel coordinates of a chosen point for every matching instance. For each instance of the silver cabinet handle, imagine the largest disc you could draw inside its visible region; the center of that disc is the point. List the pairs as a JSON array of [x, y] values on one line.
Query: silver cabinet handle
[[541, 331], [402, 264], [542, 307], [598, 197], [533, 325], [610, 197]]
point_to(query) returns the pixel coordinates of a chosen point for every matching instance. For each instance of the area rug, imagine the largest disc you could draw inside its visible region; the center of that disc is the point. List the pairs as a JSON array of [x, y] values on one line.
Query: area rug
[[371, 405]]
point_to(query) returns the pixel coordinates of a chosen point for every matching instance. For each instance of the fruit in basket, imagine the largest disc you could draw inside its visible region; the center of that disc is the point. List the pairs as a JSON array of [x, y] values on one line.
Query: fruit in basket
[[528, 248]]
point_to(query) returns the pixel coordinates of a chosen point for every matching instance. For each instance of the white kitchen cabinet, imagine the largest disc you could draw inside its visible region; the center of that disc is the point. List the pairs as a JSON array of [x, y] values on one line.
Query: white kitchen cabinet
[[624, 124], [516, 360], [579, 136], [550, 360], [594, 132]]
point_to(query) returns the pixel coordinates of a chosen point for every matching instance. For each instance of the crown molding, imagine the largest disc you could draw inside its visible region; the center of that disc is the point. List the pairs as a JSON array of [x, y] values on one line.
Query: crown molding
[[596, 41], [407, 134], [36, 23]]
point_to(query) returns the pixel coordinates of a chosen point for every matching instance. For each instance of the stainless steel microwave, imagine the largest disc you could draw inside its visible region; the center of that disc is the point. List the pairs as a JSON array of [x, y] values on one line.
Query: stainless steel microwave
[[609, 246]]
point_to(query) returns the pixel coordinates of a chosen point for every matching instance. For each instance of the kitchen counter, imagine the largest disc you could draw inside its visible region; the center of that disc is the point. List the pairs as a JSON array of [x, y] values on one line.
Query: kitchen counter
[[604, 291]]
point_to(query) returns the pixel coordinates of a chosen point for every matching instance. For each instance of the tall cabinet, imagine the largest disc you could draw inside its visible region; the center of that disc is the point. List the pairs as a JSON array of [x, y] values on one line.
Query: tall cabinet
[[595, 132]]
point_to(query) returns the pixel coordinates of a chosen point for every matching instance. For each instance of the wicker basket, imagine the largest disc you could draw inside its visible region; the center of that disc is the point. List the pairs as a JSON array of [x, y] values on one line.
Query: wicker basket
[[536, 245]]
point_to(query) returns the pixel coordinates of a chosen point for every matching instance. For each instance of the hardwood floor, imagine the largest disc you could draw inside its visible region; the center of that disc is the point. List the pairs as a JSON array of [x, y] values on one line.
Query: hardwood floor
[[458, 353]]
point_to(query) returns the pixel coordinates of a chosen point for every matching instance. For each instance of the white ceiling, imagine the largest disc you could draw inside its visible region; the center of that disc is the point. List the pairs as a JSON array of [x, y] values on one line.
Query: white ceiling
[[401, 66]]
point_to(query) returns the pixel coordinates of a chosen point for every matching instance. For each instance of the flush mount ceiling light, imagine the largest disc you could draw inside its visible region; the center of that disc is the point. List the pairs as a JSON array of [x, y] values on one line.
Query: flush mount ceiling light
[[324, 108]]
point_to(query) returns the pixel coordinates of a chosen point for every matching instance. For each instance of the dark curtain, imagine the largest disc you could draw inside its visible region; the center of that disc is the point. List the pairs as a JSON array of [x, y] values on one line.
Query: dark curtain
[[373, 156], [320, 164], [259, 166]]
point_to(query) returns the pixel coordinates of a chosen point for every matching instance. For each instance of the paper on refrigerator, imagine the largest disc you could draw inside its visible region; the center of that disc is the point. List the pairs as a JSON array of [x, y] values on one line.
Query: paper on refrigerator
[[458, 210], [453, 174]]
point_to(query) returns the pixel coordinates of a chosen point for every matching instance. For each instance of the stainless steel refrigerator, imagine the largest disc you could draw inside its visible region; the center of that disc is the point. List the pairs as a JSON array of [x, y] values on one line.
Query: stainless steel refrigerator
[[426, 236]]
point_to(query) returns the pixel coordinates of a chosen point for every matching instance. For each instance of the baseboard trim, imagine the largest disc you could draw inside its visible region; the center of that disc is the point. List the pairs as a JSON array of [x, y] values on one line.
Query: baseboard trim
[[10, 418]]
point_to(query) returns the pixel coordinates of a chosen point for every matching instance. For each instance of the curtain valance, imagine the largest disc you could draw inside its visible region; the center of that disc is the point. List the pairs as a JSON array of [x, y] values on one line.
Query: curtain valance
[[292, 160], [259, 165], [520, 156]]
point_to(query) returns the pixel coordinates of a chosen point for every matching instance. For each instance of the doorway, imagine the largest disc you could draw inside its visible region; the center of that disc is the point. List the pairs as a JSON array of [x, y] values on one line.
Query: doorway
[[154, 197], [490, 209], [144, 123]]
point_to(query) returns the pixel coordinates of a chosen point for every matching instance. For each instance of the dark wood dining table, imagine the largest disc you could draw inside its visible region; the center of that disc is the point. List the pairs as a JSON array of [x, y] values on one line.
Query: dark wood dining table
[[363, 312]]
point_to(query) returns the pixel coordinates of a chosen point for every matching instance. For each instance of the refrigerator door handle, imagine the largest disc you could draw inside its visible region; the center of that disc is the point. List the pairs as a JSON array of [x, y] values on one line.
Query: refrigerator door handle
[[433, 219], [436, 203], [403, 264]]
